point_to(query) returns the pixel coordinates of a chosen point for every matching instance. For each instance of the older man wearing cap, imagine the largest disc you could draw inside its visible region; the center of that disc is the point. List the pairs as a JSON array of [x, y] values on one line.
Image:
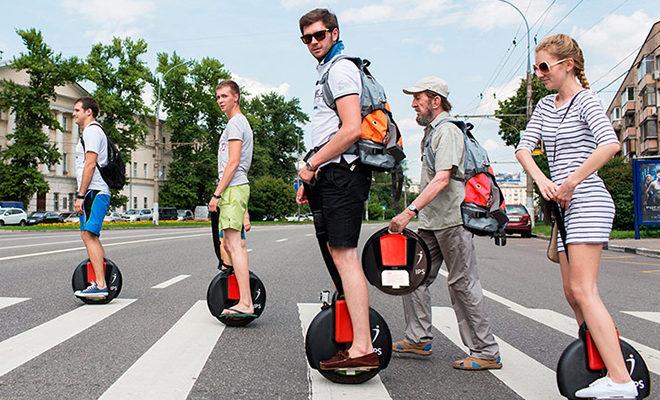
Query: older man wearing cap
[[441, 227]]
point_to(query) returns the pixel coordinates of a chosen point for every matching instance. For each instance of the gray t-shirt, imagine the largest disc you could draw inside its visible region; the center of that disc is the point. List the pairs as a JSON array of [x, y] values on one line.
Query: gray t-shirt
[[448, 147], [238, 128]]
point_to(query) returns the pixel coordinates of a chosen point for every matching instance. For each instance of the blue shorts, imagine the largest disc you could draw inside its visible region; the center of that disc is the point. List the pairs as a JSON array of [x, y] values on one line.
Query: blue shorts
[[95, 206], [243, 237]]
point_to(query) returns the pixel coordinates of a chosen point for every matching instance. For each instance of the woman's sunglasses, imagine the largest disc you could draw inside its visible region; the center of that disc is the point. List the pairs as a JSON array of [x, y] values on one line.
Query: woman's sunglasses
[[320, 35], [544, 67]]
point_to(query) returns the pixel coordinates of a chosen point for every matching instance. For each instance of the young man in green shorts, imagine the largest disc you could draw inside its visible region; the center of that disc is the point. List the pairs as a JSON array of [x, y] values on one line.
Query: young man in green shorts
[[233, 190]]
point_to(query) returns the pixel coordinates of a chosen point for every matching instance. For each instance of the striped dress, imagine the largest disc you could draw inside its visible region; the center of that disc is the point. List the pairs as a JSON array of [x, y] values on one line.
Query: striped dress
[[591, 211]]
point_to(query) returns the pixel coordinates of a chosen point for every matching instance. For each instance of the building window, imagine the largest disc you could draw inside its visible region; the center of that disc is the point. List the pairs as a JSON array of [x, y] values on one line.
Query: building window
[[134, 169], [64, 165], [649, 129], [56, 201], [64, 123], [629, 120], [134, 201], [162, 172], [70, 201], [616, 114], [645, 67], [627, 95], [648, 96], [145, 202], [145, 169]]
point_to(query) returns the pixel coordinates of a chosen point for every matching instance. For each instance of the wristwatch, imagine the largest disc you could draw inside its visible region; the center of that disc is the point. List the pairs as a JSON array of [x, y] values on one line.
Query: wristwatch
[[414, 209], [215, 196], [310, 166], [80, 196]]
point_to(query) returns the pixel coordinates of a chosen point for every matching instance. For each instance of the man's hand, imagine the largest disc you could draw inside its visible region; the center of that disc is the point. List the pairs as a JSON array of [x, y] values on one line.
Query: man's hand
[[399, 222], [213, 204], [78, 206], [306, 175], [246, 224], [301, 197]]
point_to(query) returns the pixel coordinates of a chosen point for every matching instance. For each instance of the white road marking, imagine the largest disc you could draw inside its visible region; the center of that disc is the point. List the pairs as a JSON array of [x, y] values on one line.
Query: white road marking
[[10, 301], [169, 369], [170, 282], [25, 346], [281, 240], [647, 315], [321, 388], [527, 377]]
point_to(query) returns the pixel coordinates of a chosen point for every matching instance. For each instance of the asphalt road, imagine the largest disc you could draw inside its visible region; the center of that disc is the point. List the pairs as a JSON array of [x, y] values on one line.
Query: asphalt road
[[163, 342]]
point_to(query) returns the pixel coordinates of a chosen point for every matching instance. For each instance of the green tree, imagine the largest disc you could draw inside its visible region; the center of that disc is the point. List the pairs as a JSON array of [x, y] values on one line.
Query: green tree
[[617, 175], [120, 76], [278, 135], [271, 196], [194, 121], [29, 147]]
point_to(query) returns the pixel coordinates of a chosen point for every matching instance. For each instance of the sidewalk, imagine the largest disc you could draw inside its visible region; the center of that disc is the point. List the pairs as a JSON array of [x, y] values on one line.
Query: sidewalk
[[642, 247]]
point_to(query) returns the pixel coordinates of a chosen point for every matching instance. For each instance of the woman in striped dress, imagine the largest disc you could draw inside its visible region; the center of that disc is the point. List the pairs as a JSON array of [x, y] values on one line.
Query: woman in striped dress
[[579, 139]]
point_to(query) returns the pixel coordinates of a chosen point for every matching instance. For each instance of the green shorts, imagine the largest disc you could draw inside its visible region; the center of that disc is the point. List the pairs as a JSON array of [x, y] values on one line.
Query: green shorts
[[233, 203]]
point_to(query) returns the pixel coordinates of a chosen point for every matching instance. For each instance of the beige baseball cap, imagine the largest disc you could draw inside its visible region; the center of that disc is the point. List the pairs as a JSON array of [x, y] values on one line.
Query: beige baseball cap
[[432, 83]]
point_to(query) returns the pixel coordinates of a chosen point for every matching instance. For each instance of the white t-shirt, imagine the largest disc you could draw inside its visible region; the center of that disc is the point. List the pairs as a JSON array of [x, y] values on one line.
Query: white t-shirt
[[238, 128], [95, 141], [343, 79]]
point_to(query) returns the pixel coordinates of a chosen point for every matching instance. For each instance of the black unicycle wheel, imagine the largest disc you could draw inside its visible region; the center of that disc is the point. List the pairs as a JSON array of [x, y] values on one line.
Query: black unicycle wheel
[[83, 275], [223, 293]]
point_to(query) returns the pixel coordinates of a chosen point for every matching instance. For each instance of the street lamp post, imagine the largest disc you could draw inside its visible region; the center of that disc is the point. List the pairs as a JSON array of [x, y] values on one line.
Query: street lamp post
[[157, 145], [528, 112]]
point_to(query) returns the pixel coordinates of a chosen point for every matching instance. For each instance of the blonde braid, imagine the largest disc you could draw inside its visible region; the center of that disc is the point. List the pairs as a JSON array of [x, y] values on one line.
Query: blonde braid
[[583, 79]]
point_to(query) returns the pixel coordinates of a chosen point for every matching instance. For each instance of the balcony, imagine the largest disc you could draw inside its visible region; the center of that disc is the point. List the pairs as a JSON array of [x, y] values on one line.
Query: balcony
[[628, 108], [629, 133], [616, 124], [649, 146], [649, 112], [646, 80]]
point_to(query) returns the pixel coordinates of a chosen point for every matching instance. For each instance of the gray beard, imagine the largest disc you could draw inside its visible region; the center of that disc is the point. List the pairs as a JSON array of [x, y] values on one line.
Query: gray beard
[[424, 119]]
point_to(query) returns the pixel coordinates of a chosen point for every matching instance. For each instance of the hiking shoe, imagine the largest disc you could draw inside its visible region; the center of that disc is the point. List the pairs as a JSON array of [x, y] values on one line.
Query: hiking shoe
[[604, 388], [92, 292], [476, 364], [404, 346], [341, 361]]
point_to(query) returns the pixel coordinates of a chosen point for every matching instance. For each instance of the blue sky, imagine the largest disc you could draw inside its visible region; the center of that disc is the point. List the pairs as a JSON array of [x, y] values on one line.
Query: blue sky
[[467, 43]]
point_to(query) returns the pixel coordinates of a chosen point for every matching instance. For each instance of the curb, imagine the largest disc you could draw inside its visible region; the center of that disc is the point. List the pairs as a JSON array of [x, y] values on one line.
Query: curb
[[640, 251]]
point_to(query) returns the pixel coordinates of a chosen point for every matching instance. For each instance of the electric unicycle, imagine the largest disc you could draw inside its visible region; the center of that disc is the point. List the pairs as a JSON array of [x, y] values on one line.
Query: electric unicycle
[[84, 275], [580, 364], [223, 290]]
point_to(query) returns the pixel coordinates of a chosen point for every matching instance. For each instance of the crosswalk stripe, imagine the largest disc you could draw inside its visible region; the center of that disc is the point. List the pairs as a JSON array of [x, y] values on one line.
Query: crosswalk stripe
[[25, 346], [647, 315], [527, 377], [169, 369], [568, 325], [170, 282], [281, 240], [10, 301], [321, 388]]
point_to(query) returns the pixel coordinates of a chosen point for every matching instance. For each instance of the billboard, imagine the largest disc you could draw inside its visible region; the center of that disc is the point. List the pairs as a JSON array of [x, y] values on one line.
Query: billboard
[[646, 189]]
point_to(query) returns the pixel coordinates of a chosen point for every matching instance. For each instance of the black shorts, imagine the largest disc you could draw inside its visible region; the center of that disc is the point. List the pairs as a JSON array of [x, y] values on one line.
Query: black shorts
[[337, 201]]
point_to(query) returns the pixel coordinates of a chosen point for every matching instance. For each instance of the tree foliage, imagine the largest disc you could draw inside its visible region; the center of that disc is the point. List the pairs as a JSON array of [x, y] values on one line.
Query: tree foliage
[[271, 196], [29, 146], [617, 175]]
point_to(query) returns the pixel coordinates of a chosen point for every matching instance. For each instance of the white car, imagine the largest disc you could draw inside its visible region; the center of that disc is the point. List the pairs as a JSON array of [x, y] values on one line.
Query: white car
[[133, 215], [112, 217], [12, 216]]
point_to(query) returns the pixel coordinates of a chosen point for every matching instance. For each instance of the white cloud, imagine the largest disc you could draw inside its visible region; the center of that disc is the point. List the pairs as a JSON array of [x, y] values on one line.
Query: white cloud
[[493, 94], [305, 3], [488, 14], [436, 46], [120, 18], [390, 10], [616, 34], [256, 88], [491, 145]]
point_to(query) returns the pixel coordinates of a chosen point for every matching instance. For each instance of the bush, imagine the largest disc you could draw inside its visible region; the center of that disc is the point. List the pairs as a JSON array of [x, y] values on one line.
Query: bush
[[617, 175], [271, 196]]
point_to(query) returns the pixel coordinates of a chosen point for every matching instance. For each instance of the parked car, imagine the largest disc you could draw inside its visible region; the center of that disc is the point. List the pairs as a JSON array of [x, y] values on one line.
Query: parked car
[[519, 220], [44, 217], [299, 217], [70, 217], [113, 216], [184, 215], [13, 216], [133, 215], [167, 213], [201, 213], [270, 218]]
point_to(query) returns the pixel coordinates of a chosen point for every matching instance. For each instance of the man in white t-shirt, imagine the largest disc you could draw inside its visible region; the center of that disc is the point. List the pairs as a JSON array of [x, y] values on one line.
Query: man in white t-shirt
[[93, 197], [336, 185]]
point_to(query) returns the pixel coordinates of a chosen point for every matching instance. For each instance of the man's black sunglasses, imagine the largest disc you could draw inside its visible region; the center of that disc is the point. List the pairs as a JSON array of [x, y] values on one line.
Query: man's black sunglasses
[[320, 35]]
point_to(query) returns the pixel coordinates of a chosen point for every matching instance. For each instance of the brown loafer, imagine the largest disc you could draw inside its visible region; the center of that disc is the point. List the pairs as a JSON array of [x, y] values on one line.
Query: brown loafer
[[364, 363]]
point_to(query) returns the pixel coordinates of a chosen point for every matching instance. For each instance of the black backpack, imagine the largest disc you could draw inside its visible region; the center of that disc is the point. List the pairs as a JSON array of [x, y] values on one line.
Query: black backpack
[[114, 172]]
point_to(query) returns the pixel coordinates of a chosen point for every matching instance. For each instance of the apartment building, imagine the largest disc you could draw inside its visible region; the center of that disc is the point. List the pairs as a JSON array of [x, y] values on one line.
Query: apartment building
[[61, 177], [634, 108]]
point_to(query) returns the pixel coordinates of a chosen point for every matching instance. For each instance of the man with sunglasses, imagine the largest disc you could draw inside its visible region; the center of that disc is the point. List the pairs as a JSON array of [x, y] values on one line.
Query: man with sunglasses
[[336, 184], [441, 228]]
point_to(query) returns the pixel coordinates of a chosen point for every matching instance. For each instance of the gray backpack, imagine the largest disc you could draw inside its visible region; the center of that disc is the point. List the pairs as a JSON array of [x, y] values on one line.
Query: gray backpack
[[483, 210], [380, 146]]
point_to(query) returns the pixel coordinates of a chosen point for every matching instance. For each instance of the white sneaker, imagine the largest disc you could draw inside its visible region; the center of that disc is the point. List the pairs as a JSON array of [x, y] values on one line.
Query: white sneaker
[[604, 388]]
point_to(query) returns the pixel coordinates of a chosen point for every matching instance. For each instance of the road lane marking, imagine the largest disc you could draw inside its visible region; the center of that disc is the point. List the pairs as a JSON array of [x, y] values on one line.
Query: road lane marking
[[10, 301], [527, 377], [170, 282], [309, 234], [652, 271], [79, 240], [169, 369], [249, 250], [567, 325], [321, 388], [647, 315], [104, 245], [281, 240], [25, 346]]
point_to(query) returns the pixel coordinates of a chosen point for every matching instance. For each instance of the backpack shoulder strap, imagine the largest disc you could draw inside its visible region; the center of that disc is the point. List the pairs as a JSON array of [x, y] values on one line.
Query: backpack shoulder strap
[[428, 150], [328, 98]]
